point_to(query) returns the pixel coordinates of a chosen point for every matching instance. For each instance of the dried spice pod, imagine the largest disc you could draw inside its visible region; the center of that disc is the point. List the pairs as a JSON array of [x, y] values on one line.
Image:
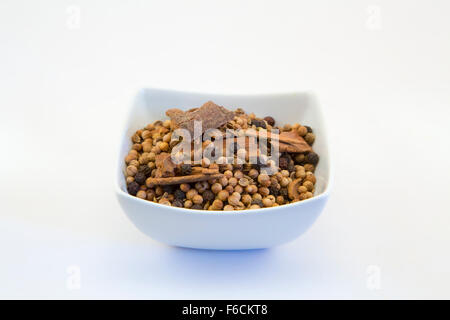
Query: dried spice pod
[[293, 189]]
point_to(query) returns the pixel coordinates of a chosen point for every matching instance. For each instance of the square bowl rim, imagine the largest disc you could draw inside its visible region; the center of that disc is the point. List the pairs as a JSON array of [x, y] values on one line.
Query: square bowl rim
[[123, 136]]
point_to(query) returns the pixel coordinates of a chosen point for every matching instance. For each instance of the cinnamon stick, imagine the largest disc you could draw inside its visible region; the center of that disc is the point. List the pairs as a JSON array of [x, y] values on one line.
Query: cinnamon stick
[[183, 179]]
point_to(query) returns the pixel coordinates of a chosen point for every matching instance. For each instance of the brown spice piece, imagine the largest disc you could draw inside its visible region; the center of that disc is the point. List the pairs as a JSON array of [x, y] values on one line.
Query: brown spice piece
[[288, 141], [210, 114], [293, 189], [201, 170], [291, 141], [182, 179], [165, 166]]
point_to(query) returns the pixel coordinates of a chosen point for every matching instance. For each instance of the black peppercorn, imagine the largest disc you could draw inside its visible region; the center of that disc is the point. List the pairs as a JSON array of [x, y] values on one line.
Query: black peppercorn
[[140, 178], [259, 123], [208, 195], [133, 188], [291, 165], [177, 203], [186, 169], [270, 121], [258, 202], [274, 189], [180, 195], [309, 129], [284, 192], [197, 207], [168, 188], [284, 163], [312, 158], [145, 170]]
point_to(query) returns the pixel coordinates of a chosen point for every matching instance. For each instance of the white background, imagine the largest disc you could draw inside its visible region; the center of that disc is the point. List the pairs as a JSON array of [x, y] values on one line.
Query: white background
[[381, 70]]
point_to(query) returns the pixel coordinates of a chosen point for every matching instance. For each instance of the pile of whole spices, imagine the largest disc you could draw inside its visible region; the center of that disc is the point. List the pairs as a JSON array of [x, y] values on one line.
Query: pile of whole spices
[[157, 170]]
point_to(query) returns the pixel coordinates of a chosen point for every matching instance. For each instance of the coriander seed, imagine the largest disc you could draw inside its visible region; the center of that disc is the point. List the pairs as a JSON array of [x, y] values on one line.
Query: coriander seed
[[302, 131], [217, 204], [147, 147], [216, 187], [257, 197], [285, 182], [267, 202], [232, 181], [146, 134], [280, 199], [253, 173], [188, 204], [264, 180], [300, 174], [223, 195], [191, 194], [141, 194], [251, 189], [234, 199], [223, 181], [309, 185], [228, 174], [310, 137], [264, 191], [197, 199], [137, 147], [238, 189], [243, 182], [131, 171], [246, 199], [238, 174], [310, 177], [129, 158]]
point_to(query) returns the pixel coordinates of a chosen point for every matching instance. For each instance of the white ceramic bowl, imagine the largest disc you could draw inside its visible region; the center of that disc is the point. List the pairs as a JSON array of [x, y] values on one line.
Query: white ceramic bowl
[[226, 230]]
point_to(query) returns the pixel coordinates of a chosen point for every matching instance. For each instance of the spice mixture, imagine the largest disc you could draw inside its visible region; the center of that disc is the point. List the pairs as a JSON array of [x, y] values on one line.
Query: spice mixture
[[225, 183]]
